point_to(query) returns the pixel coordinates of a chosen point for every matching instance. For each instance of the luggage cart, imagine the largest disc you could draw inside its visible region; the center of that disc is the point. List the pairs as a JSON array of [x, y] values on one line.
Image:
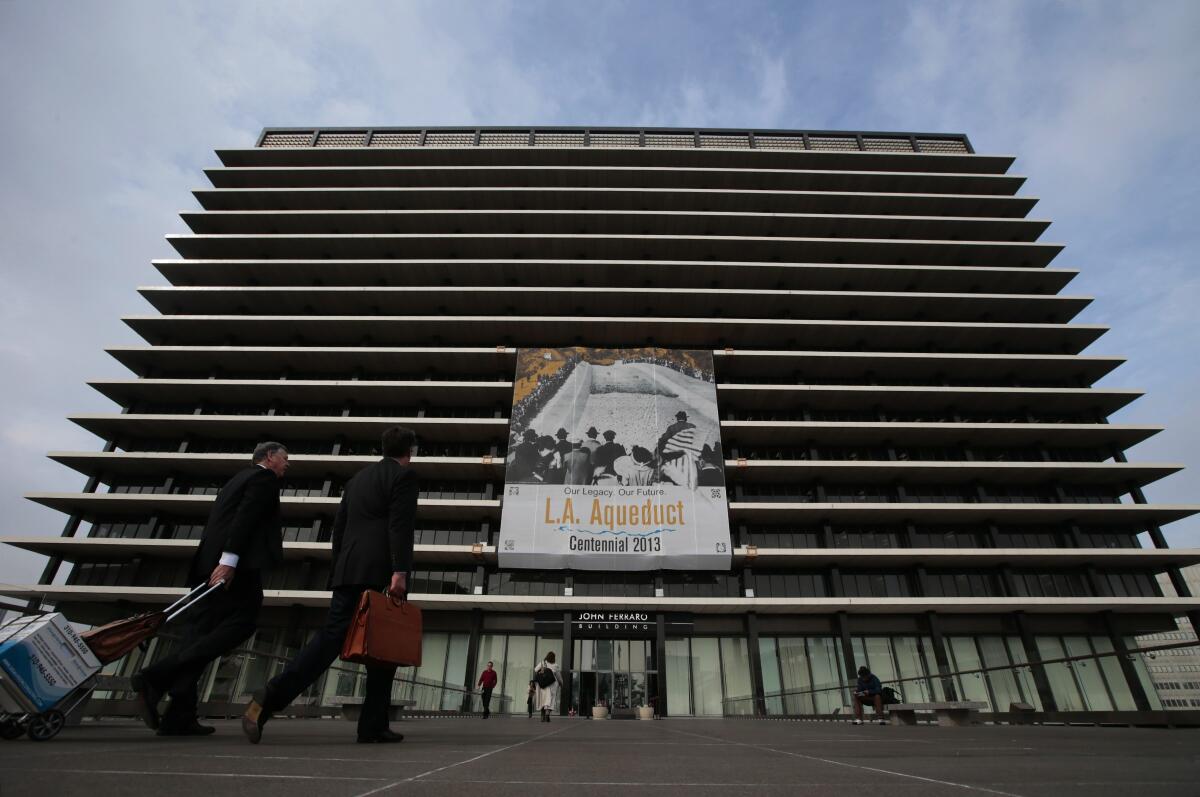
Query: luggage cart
[[20, 714]]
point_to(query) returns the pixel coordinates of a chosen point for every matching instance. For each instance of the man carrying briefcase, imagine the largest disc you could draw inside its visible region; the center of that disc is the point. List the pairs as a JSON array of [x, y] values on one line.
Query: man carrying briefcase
[[372, 550]]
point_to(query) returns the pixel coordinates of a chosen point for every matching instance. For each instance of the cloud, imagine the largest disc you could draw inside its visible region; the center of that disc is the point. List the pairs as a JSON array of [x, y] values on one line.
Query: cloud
[[113, 111]]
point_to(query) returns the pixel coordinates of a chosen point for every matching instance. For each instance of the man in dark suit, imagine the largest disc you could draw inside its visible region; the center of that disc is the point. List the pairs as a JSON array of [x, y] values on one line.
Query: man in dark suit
[[242, 537], [372, 549]]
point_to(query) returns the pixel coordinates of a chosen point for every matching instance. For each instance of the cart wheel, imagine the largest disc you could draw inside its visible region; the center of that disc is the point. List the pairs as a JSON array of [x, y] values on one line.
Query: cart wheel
[[46, 726], [11, 729]]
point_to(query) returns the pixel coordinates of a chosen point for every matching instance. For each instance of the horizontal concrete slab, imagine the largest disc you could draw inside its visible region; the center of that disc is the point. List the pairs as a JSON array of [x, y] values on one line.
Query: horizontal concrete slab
[[486, 197], [734, 433], [387, 393], [499, 363], [101, 549], [525, 603], [516, 245], [750, 333], [675, 302], [608, 156], [112, 465], [607, 221], [588, 270], [110, 505]]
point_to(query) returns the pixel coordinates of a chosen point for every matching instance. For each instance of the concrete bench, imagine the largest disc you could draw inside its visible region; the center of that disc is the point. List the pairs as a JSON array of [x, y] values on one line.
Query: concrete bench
[[352, 708], [949, 713]]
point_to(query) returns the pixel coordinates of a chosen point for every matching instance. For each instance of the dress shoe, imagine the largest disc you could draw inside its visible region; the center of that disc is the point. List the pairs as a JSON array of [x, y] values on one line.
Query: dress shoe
[[193, 728], [255, 717], [147, 700], [383, 737]]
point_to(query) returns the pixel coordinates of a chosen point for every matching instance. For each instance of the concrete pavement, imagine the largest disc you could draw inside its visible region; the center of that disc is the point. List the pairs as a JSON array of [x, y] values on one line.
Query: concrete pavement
[[514, 756]]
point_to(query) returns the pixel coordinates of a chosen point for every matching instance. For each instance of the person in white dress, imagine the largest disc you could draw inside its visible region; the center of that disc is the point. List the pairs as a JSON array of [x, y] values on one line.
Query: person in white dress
[[545, 699]]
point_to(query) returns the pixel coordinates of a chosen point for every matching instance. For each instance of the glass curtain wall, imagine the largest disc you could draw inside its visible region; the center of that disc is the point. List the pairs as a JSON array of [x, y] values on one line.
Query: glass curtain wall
[[811, 674], [1092, 683]]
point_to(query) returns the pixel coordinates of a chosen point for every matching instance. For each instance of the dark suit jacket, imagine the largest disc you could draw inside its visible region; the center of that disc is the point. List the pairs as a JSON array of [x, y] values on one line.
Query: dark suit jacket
[[244, 520], [374, 527]]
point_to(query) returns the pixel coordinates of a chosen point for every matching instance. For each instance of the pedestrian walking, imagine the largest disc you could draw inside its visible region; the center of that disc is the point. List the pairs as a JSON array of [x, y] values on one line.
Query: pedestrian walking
[[372, 550], [487, 682], [243, 536], [547, 678], [530, 696]]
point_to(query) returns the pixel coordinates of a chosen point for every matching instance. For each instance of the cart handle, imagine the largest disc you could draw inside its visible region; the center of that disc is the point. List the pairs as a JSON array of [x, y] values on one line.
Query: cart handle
[[199, 593]]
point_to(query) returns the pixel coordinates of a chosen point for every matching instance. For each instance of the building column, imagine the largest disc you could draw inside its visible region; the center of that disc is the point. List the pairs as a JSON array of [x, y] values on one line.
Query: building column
[[473, 655], [1140, 700], [568, 665], [842, 629], [660, 662], [756, 679], [1160, 541], [934, 624], [1034, 657]]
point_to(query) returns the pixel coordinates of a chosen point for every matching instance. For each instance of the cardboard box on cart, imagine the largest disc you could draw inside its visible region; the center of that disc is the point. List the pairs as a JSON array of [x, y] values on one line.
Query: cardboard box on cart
[[42, 659]]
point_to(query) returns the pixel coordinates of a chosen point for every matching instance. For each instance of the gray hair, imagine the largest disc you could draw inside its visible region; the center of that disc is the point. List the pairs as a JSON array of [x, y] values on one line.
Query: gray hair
[[264, 450]]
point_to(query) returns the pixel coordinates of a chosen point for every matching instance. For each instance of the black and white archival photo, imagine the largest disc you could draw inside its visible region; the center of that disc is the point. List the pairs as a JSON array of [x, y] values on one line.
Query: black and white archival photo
[[615, 457]]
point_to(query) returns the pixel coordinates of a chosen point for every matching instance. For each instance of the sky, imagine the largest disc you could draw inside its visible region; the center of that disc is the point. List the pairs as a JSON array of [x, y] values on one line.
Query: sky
[[111, 110]]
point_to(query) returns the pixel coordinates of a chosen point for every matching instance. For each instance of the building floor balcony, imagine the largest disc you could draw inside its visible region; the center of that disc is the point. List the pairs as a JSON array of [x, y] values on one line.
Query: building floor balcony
[[607, 221], [737, 606], [615, 331], [94, 506], [463, 177], [491, 197], [658, 152], [284, 393], [675, 302], [496, 430], [75, 549], [517, 245], [748, 366], [111, 466], [588, 269]]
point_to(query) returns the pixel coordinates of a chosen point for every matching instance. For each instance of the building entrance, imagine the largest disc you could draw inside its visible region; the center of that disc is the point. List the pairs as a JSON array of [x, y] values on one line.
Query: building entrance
[[617, 673]]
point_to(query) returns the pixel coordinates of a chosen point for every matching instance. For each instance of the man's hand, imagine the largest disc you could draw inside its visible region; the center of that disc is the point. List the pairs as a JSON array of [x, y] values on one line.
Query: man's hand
[[222, 573], [399, 586]]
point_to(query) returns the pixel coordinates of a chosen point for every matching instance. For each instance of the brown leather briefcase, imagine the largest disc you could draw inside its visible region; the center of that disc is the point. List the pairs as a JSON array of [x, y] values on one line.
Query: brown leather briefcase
[[384, 631]]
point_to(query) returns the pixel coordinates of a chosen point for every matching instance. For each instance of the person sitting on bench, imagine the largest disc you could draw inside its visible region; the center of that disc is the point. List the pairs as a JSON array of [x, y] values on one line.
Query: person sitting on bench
[[868, 688]]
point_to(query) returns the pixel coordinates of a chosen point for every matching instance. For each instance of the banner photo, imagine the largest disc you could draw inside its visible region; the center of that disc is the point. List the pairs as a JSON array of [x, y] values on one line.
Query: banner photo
[[615, 462]]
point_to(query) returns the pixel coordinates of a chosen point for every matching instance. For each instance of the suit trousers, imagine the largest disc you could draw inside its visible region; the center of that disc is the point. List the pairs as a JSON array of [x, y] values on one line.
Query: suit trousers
[[323, 650], [224, 620]]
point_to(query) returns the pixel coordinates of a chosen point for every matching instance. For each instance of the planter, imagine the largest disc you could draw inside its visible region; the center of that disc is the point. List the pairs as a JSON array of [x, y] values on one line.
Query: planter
[[645, 712], [599, 713]]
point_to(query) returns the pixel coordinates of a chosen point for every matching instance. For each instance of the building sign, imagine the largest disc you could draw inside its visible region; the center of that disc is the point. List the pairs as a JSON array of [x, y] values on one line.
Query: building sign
[[615, 623], [618, 622], [615, 462]]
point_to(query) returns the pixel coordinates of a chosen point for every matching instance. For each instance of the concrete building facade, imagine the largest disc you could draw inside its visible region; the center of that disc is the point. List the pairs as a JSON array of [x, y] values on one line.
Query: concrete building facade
[[1176, 672], [921, 471]]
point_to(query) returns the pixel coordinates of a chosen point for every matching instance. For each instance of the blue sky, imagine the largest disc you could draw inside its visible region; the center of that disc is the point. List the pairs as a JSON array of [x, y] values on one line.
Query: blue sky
[[111, 111]]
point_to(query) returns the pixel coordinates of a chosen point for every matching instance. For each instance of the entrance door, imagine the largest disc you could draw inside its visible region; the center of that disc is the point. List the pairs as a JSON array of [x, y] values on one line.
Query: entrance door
[[617, 673]]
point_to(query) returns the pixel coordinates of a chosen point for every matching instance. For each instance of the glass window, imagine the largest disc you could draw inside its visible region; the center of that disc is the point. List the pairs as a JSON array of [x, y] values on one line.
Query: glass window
[[793, 665], [1062, 682], [679, 678], [735, 661], [1088, 674], [518, 669], [706, 677], [828, 675], [768, 657], [965, 656]]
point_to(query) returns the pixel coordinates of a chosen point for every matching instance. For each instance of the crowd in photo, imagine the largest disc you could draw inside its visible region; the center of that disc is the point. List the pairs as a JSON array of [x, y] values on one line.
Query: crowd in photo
[[678, 458]]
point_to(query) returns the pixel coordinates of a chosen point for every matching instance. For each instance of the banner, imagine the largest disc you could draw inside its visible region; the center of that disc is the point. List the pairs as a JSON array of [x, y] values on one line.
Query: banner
[[615, 462]]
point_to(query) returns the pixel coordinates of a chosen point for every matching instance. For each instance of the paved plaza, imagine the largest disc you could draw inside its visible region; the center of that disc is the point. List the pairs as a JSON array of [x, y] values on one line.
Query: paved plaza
[[515, 756]]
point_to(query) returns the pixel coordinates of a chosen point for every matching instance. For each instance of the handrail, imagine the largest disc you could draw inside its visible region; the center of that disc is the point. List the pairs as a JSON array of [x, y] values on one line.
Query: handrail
[[1016, 668]]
